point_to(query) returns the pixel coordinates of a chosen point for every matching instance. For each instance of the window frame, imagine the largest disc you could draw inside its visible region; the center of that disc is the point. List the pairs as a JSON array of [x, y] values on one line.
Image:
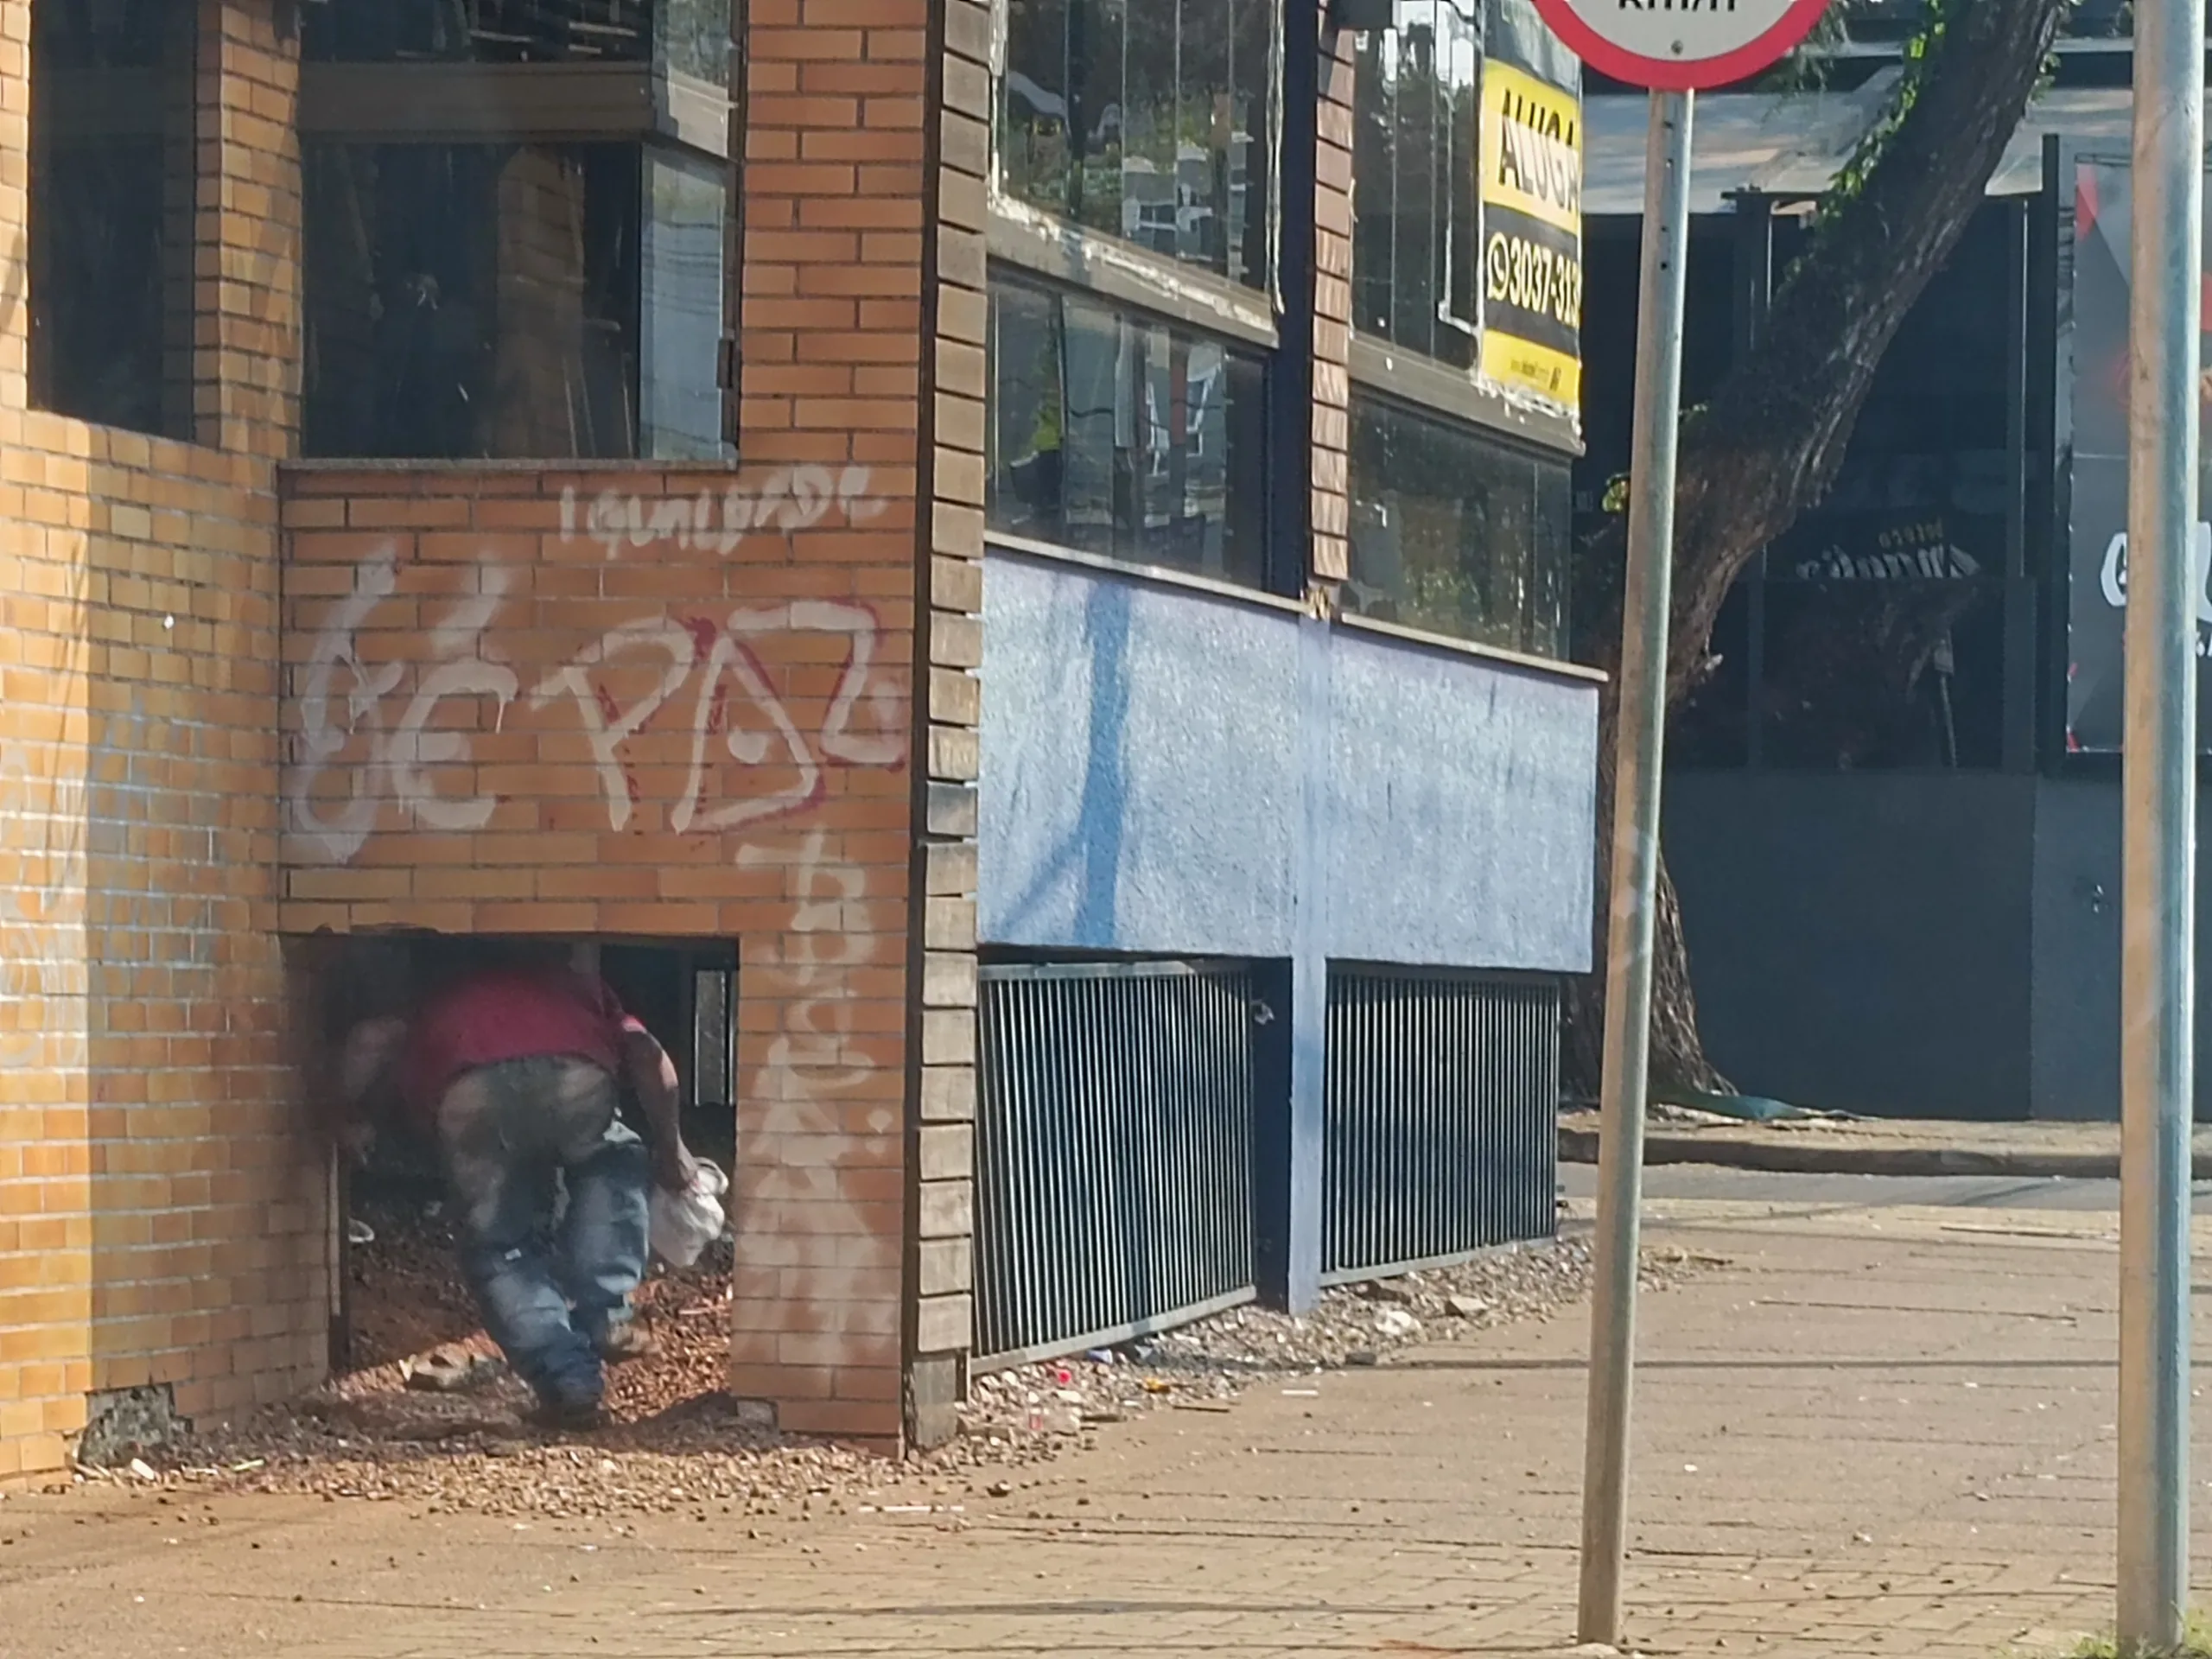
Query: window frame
[[1043, 243], [643, 103], [1128, 313], [1381, 367], [1401, 400]]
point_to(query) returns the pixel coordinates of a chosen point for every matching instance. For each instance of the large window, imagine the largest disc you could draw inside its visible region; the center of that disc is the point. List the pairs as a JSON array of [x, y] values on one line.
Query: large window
[[1415, 227], [515, 239], [1116, 435], [1145, 120], [1872, 634], [1455, 533], [111, 201]]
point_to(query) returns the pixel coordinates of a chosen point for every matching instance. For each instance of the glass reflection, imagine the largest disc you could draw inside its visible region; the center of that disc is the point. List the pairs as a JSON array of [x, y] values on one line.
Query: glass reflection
[[1116, 435], [1454, 533], [1415, 152], [1145, 120]]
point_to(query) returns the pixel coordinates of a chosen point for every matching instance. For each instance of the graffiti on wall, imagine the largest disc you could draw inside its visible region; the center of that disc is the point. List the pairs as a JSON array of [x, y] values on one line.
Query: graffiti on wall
[[708, 675], [718, 521], [44, 966], [74, 835], [811, 1066]]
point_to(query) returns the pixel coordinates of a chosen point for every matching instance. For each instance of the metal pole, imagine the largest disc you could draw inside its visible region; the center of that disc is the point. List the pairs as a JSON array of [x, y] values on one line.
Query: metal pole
[[1641, 723], [2159, 787]]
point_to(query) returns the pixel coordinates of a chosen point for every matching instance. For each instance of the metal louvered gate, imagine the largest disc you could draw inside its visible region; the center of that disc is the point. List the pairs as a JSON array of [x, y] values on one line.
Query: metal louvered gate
[[1113, 1152], [1439, 1121]]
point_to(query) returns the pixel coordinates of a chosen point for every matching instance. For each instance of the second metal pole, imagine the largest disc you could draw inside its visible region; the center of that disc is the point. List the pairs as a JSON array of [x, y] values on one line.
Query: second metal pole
[[1641, 723], [2158, 792]]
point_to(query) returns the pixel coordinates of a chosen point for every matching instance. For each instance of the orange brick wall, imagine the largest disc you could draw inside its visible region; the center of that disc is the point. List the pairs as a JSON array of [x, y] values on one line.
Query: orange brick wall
[[679, 703], [670, 704], [840, 193], [162, 1225]]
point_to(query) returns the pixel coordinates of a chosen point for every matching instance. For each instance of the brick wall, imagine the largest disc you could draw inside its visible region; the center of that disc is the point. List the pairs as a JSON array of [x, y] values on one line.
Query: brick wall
[[944, 1263], [839, 182], [163, 1228], [1332, 435], [679, 704], [665, 704]]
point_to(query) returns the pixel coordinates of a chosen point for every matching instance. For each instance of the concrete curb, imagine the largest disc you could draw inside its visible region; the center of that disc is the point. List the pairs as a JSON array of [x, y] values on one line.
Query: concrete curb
[[1810, 1157]]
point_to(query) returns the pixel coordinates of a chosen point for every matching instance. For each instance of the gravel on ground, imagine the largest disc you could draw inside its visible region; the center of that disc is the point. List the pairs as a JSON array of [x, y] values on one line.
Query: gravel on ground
[[677, 1444]]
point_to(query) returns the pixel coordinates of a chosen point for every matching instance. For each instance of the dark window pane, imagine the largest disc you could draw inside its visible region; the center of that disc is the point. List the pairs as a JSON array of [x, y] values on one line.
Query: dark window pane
[[1884, 672], [1116, 435], [112, 202], [482, 31], [1416, 230], [486, 299], [1145, 120], [1455, 533]]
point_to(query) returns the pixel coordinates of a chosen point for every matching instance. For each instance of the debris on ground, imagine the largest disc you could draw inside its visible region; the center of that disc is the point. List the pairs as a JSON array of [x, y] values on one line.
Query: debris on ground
[[1018, 1413], [430, 1417]]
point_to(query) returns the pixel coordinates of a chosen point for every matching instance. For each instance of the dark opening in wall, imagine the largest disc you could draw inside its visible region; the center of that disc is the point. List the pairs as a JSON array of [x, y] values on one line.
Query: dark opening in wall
[[403, 1297], [113, 198]]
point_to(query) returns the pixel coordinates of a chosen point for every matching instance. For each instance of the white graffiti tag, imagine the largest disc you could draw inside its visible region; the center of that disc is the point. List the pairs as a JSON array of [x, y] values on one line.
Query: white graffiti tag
[[797, 498], [343, 698], [394, 761], [804, 1090], [45, 973]]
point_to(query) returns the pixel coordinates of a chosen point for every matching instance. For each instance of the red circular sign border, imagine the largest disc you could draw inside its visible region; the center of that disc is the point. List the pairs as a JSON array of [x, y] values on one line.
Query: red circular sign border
[[1666, 75]]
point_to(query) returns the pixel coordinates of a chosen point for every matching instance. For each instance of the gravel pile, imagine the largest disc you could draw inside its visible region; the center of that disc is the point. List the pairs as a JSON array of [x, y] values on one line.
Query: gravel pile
[[1021, 1415], [678, 1446]]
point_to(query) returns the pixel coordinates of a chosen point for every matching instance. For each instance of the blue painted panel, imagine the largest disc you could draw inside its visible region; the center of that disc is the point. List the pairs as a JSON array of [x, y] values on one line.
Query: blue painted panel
[[1462, 795], [1140, 777], [1147, 753]]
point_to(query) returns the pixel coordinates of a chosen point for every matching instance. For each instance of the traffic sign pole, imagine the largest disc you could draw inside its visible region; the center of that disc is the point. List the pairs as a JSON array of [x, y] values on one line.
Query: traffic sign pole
[[1641, 689], [2158, 796], [1676, 54]]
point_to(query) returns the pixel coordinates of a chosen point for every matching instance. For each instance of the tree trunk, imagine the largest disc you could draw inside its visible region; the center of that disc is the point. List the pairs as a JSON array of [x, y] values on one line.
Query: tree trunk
[[1678, 1059], [1769, 445]]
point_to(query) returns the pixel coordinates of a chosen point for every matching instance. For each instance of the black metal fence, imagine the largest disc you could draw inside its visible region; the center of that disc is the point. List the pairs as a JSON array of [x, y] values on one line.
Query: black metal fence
[[1440, 1135], [1113, 1152]]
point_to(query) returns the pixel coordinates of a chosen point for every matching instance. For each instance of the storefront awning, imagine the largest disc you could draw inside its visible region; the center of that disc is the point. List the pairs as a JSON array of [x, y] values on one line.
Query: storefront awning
[[1794, 144]]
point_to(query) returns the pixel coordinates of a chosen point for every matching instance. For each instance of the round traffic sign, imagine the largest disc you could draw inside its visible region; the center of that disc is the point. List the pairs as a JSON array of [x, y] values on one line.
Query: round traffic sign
[[1680, 46]]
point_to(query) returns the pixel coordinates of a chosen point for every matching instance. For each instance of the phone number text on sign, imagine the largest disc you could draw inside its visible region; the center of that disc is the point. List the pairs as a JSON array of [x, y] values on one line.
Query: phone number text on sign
[[1532, 278]]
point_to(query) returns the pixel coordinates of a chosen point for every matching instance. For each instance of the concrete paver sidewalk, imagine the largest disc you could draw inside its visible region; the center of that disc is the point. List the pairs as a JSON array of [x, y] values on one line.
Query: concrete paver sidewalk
[[1870, 1432]]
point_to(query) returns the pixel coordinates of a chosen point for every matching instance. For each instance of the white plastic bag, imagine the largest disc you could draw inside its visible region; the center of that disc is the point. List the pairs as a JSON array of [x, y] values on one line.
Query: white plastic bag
[[684, 1223]]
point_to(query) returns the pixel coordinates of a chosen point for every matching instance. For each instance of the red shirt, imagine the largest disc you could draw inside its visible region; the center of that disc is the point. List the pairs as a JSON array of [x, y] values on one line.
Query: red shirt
[[510, 1015]]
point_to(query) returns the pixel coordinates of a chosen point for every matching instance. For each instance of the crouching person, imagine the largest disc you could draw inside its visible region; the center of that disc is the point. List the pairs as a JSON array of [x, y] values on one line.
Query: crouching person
[[516, 1072]]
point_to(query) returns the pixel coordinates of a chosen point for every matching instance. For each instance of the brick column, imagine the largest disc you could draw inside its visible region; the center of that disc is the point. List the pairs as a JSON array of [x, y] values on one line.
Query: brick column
[[836, 179], [247, 356], [1333, 209], [943, 1323], [164, 1250]]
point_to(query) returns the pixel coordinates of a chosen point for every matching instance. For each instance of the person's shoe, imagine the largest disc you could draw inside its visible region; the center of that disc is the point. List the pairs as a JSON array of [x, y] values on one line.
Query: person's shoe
[[628, 1340]]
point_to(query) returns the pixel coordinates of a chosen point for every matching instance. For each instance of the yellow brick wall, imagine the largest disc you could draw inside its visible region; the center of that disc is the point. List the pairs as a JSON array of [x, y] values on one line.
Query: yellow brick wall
[[161, 1221]]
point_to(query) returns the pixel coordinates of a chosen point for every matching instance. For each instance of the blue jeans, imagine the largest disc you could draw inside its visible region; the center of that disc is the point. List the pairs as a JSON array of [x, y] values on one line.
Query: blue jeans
[[514, 1135]]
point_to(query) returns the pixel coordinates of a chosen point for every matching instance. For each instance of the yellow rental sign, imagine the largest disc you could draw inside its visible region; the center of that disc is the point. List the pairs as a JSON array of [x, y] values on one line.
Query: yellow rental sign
[[1531, 281]]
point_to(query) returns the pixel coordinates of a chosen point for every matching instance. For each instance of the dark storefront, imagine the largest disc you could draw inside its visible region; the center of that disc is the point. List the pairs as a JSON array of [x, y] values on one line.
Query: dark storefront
[[1894, 808]]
